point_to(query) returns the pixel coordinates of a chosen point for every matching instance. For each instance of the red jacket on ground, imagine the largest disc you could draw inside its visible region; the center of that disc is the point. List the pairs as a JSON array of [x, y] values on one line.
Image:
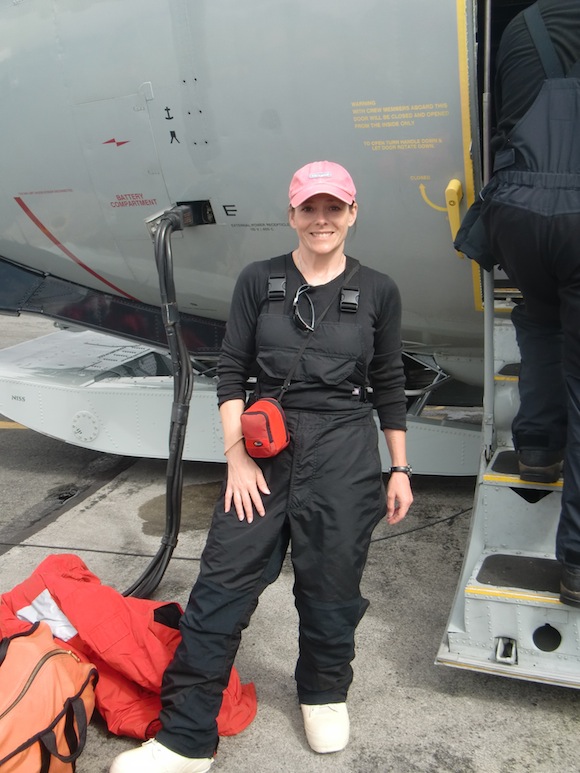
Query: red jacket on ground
[[130, 641]]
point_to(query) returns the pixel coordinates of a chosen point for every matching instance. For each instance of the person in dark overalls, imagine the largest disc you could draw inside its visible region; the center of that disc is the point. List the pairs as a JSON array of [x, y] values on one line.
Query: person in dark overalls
[[531, 215], [323, 494]]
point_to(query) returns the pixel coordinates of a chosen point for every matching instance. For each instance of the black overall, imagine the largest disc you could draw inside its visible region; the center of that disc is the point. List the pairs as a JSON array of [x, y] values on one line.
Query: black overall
[[326, 498], [531, 213]]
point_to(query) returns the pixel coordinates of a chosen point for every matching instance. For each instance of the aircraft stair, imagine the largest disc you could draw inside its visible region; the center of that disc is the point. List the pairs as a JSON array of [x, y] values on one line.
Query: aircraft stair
[[507, 618]]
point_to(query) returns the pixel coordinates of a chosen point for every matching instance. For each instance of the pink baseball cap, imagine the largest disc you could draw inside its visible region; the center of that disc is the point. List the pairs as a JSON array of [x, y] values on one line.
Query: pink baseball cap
[[321, 177]]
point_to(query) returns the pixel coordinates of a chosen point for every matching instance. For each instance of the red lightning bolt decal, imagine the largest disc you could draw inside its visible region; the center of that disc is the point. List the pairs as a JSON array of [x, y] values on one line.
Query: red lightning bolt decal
[[115, 142], [67, 252]]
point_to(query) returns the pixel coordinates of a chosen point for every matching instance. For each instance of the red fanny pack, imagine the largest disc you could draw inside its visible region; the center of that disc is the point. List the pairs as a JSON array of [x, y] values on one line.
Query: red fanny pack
[[264, 428]]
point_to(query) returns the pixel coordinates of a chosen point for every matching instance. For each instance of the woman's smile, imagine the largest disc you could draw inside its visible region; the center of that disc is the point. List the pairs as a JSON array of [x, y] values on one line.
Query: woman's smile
[[321, 224]]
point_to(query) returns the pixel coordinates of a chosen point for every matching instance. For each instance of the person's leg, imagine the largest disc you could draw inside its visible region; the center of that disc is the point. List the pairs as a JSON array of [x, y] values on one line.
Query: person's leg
[[239, 560], [193, 683], [521, 242], [566, 252], [568, 538], [323, 671], [539, 427], [333, 511], [568, 535]]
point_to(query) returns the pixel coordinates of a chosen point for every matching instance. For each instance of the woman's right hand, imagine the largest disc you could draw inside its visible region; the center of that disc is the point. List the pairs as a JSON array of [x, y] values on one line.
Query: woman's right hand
[[245, 484]]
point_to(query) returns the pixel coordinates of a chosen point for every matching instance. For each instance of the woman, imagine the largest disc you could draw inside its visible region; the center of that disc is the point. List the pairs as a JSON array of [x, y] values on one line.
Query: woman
[[323, 494]]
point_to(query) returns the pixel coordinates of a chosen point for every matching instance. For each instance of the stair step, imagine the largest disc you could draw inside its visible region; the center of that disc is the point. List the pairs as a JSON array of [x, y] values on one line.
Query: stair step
[[526, 572], [509, 371], [503, 470], [507, 618], [514, 578]]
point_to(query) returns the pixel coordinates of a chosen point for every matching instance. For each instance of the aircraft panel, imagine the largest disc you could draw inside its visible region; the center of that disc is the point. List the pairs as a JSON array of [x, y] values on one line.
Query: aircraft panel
[[145, 104]]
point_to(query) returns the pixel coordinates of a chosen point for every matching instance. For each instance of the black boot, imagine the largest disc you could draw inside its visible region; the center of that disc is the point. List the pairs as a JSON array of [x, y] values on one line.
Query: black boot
[[570, 585], [540, 465]]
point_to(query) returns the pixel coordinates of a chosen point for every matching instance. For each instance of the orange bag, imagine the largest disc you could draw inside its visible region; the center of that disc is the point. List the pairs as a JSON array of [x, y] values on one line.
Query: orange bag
[[46, 702], [264, 428]]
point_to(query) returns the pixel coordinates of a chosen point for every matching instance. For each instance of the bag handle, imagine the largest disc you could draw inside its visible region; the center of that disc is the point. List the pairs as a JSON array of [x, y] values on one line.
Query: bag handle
[[76, 742], [288, 379]]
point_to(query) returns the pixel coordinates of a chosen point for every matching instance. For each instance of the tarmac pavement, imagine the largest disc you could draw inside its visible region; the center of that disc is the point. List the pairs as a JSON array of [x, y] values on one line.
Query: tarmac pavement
[[407, 715]]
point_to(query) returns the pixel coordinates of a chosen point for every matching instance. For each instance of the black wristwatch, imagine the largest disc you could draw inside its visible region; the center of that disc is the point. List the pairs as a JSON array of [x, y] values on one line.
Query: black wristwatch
[[407, 469]]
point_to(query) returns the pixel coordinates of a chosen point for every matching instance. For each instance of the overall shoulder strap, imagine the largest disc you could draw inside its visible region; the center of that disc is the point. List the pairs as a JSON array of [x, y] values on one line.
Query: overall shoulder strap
[[544, 46], [349, 294], [277, 279], [277, 285]]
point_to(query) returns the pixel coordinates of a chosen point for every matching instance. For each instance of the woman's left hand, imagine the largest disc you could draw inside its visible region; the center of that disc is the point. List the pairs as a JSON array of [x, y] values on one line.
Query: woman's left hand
[[399, 497]]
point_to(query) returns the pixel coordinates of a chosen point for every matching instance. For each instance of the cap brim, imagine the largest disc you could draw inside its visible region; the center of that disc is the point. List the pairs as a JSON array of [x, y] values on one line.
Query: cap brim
[[313, 190]]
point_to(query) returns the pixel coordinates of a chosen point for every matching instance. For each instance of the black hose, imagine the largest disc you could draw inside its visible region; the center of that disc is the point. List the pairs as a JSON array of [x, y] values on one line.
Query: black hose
[[182, 389]]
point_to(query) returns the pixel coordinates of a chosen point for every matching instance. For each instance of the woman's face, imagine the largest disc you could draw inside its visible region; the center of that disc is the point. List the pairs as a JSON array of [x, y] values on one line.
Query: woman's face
[[322, 222]]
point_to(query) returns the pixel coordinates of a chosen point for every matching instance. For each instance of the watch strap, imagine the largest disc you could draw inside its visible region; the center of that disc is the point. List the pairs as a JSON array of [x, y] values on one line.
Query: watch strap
[[407, 469]]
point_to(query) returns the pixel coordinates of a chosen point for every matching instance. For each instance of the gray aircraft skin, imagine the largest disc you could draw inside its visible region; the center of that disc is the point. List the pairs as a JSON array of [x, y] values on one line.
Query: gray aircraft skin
[[114, 112]]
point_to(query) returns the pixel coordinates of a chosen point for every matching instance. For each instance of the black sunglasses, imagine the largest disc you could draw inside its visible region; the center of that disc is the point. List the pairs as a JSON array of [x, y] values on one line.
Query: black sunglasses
[[298, 318]]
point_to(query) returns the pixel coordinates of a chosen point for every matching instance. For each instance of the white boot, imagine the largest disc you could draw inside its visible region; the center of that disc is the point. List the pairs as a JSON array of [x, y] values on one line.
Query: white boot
[[327, 726], [153, 757]]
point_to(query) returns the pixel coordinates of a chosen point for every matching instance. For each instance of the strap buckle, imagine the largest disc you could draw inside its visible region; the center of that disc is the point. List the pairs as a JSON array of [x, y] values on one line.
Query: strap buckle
[[277, 287], [349, 299]]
